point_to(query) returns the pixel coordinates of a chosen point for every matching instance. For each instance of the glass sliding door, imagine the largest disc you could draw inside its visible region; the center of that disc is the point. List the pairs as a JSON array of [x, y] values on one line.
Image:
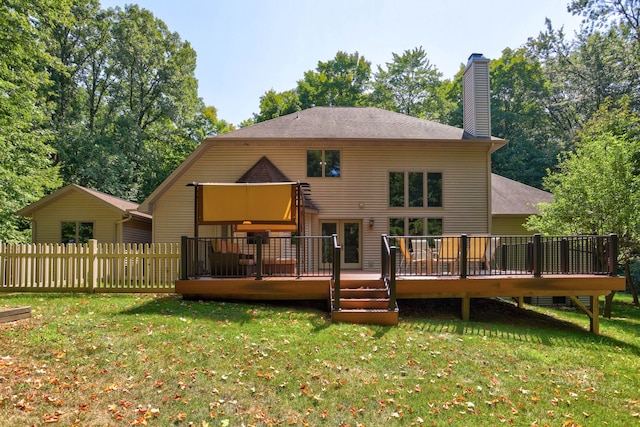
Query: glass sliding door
[[349, 237]]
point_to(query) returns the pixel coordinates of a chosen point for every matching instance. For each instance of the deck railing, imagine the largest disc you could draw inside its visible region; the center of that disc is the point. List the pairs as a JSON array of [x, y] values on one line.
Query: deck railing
[[535, 255], [297, 256]]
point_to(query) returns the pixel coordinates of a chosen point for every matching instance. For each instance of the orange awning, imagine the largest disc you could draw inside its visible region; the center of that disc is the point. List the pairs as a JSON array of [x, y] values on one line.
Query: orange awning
[[246, 203]]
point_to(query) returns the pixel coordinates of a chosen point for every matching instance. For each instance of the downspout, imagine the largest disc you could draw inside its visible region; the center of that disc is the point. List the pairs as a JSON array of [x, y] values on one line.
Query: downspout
[[122, 221]]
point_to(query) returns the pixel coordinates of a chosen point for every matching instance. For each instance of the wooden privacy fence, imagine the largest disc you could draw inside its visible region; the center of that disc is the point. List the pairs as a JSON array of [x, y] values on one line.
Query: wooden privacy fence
[[89, 267]]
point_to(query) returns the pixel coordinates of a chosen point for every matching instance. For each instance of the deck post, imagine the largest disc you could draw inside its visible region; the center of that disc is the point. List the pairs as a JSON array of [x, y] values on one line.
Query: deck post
[[392, 281], [383, 251], [466, 308], [594, 321], [537, 255], [464, 244], [564, 255], [258, 257], [336, 272], [613, 254], [184, 252]]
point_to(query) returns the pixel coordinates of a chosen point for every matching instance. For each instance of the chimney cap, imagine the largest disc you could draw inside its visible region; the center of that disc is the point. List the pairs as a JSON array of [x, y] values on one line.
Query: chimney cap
[[476, 57]]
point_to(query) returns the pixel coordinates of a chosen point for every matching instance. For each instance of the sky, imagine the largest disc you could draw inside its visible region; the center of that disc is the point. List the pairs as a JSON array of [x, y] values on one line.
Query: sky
[[247, 47]]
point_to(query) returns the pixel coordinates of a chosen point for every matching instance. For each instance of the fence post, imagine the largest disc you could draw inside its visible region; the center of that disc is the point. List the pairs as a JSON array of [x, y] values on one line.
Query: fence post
[[613, 254], [464, 244], [93, 265], [537, 255]]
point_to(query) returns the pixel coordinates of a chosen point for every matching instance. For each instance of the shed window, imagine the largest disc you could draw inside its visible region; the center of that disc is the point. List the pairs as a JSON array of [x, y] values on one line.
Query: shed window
[[76, 232]]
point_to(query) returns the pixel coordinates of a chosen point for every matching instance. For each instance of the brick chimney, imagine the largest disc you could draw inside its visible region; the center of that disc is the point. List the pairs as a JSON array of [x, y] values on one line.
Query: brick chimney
[[476, 101]]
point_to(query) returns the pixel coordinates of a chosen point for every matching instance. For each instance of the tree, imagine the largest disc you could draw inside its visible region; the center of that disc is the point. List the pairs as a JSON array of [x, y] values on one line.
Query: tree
[[596, 189], [127, 109], [338, 82], [410, 85], [603, 13], [518, 92], [273, 104], [26, 168]]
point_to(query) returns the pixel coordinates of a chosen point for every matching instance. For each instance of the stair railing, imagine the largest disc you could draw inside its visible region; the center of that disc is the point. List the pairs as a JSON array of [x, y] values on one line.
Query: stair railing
[[388, 273], [336, 273]]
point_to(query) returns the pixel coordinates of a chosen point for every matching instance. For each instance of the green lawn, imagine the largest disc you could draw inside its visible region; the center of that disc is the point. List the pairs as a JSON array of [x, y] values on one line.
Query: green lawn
[[158, 360]]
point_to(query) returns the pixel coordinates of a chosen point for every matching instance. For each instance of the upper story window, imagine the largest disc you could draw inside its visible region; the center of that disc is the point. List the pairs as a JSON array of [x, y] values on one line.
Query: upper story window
[[76, 232], [323, 163], [407, 190], [434, 190]]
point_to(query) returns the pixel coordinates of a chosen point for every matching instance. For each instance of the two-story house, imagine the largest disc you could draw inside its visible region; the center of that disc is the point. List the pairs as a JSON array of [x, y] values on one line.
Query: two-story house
[[370, 172]]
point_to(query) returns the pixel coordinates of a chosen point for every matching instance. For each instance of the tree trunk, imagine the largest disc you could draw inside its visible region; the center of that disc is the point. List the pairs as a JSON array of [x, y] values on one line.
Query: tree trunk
[[630, 285], [608, 302]]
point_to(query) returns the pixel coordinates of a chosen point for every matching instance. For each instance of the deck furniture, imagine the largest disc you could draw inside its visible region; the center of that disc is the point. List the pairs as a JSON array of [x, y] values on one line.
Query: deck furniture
[[227, 260], [477, 250], [448, 253], [421, 256]]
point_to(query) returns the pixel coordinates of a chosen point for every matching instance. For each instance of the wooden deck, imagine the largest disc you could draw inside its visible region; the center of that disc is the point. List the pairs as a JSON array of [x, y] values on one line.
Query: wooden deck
[[411, 287]]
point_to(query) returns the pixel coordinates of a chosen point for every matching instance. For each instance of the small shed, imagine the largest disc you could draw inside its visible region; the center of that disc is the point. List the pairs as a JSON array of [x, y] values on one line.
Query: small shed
[[75, 214]]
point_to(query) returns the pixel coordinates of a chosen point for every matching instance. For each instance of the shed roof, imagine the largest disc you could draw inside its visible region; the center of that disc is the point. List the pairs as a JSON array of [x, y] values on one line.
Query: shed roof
[[509, 197], [124, 206]]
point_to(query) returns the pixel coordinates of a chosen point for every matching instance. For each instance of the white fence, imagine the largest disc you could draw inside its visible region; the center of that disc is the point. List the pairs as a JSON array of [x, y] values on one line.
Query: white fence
[[89, 267]]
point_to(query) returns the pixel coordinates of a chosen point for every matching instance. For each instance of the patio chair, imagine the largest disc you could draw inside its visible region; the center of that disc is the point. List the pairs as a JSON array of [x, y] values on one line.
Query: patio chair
[[490, 253], [448, 253], [418, 258], [477, 250]]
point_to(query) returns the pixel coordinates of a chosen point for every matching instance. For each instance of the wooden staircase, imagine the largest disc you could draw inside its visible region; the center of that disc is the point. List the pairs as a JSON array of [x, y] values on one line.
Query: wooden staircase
[[363, 302]]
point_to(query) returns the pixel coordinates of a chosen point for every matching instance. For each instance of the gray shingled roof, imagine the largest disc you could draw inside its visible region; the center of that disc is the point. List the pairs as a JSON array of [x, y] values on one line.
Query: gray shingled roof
[[348, 123], [509, 197], [122, 205]]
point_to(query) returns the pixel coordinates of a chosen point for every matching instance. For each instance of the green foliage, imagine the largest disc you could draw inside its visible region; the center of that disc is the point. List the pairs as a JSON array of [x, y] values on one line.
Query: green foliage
[[338, 82], [410, 85], [26, 169], [596, 188], [126, 99], [273, 104], [518, 115]]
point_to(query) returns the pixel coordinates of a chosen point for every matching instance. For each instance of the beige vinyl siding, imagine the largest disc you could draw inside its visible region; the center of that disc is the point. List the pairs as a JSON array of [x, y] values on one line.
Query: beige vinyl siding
[[75, 207], [360, 193], [136, 230], [510, 225]]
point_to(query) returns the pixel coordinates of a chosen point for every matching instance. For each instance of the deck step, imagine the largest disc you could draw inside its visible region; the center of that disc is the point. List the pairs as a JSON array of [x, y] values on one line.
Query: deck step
[[368, 317], [364, 303], [364, 293]]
